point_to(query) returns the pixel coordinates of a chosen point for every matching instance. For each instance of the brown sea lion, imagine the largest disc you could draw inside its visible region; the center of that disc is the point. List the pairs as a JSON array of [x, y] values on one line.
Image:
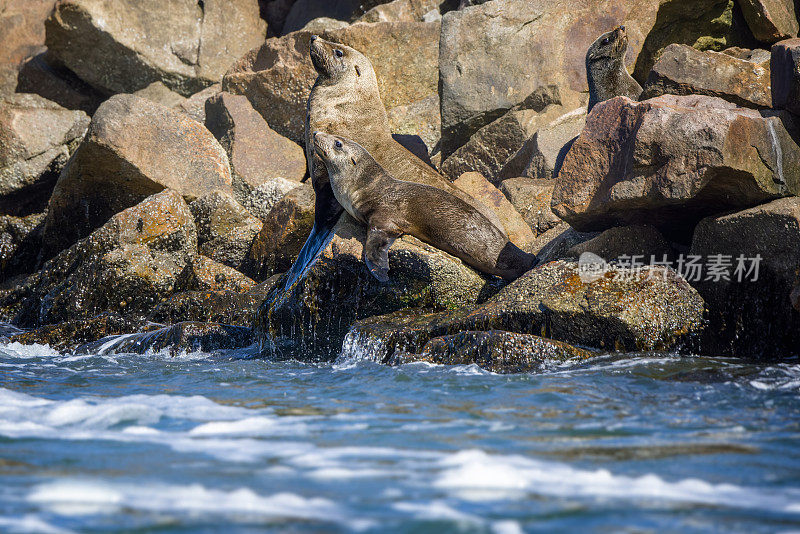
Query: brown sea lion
[[391, 207], [605, 69], [345, 101]]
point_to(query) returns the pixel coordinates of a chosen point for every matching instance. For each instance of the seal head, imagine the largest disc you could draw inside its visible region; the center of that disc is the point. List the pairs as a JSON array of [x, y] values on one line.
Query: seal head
[[605, 68]]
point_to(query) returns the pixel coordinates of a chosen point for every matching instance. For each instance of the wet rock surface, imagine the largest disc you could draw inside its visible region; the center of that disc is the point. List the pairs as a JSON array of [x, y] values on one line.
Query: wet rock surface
[[619, 309], [310, 319]]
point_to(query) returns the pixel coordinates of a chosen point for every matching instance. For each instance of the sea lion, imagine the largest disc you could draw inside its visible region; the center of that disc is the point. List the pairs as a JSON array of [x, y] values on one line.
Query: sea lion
[[605, 69], [345, 101], [391, 207]]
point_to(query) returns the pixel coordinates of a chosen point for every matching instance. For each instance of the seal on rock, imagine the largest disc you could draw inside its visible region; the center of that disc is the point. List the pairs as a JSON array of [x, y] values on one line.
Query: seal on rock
[[391, 207], [605, 69], [345, 101]]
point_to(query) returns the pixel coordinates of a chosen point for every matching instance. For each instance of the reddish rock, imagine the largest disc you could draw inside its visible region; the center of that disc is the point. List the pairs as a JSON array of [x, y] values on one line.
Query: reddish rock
[[683, 70], [671, 160], [204, 274], [770, 20]]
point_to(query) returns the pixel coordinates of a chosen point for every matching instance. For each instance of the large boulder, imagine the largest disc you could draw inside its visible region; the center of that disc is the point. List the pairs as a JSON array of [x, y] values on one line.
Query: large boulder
[[256, 152], [517, 229], [785, 75], [639, 244], [123, 46], [671, 160], [204, 274], [489, 150], [420, 120], [263, 198], [770, 20], [750, 265], [310, 319], [21, 36], [37, 137], [133, 149], [277, 77], [128, 266], [225, 230], [614, 309], [683, 70]]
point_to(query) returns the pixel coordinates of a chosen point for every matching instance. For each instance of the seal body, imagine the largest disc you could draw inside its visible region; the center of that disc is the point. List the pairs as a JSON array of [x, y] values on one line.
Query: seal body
[[391, 207], [345, 101], [605, 69]]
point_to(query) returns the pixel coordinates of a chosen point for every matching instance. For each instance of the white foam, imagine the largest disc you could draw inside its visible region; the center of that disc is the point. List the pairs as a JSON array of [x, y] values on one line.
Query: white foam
[[476, 475], [29, 524], [27, 352], [251, 426], [92, 497]]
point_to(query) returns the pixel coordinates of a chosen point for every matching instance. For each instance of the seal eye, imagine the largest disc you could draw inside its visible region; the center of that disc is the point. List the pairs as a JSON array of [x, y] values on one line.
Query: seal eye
[[338, 53], [337, 144], [606, 41]]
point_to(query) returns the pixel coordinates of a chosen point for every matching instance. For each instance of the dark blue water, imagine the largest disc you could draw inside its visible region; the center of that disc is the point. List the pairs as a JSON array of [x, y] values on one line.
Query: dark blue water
[[219, 443]]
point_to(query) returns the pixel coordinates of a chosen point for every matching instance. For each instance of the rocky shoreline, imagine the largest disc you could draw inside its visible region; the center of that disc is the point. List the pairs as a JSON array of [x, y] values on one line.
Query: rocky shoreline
[[152, 179]]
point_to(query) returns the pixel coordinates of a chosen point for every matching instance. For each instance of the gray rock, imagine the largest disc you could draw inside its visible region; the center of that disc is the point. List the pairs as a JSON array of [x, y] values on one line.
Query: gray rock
[[124, 46], [133, 149], [532, 198], [37, 138]]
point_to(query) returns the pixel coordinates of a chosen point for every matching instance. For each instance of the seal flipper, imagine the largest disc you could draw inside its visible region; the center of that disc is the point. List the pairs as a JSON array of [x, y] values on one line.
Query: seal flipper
[[376, 253]]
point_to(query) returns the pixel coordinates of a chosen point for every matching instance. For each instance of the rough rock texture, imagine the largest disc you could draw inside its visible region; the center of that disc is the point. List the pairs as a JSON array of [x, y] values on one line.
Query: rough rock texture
[[263, 198], [43, 75], [128, 265], [225, 230], [703, 24], [20, 240], [671, 160], [21, 36], [496, 351], [310, 320], [177, 339], [277, 77], [133, 148], [161, 94], [195, 105], [621, 309], [404, 11], [494, 55], [628, 245], [226, 307], [257, 154], [37, 138], [758, 55], [517, 229], [422, 119], [542, 155], [204, 274], [751, 318], [123, 46], [770, 20], [556, 243], [285, 230], [489, 149], [532, 198], [682, 70], [785, 75]]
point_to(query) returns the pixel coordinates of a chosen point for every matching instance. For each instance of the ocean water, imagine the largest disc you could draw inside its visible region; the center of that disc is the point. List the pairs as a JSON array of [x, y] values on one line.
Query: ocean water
[[230, 443]]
